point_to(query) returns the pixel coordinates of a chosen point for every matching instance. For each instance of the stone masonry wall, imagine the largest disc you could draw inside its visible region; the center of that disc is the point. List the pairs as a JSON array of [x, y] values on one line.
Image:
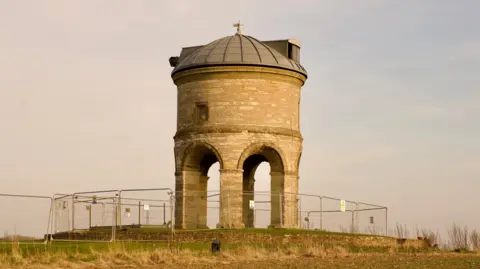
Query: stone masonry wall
[[248, 108]]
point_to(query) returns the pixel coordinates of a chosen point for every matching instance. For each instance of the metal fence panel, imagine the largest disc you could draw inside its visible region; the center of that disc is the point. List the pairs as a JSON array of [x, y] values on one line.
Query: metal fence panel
[[371, 219], [84, 217], [146, 207], [307, 204], [62, 213], [262, 209], [333, 216], [107, 215], [19, 212], [213, 209]]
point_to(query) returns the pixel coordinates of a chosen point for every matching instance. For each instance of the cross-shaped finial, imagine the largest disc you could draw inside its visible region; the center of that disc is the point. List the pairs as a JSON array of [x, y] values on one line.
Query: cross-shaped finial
[[239, 27]]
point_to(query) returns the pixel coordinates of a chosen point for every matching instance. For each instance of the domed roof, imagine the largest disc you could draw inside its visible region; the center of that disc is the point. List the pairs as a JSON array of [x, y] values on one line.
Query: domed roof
[[237, 49]]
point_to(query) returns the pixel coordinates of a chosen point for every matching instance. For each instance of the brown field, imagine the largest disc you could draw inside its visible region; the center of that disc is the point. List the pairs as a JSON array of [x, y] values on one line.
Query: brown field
[[240, 249], [241, 257]]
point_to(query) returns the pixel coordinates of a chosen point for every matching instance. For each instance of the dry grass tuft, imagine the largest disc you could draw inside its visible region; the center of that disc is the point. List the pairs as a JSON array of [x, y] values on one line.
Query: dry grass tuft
[[120, 257], [430, 238], [401, 231], [475, 240], [459, 238]]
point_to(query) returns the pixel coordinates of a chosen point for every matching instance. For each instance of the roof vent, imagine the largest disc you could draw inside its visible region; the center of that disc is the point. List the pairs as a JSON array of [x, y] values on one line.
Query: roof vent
[[173, 61], [293, 52]]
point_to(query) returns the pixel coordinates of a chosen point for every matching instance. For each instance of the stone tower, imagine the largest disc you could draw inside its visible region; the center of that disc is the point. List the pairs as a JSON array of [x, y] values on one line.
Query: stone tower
[[238, 104]]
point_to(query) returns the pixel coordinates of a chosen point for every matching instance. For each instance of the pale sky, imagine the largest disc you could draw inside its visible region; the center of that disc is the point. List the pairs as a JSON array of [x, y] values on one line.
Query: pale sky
[[390, 113]]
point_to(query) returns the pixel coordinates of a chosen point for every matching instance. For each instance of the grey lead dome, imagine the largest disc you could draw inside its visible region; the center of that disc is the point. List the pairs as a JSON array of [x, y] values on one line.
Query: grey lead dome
[[237, 49]]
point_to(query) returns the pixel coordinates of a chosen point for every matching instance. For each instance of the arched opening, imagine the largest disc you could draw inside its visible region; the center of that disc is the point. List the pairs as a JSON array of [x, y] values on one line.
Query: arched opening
[[263, 201], [261, 197], [200, 158], [213, 197], [200, 161]]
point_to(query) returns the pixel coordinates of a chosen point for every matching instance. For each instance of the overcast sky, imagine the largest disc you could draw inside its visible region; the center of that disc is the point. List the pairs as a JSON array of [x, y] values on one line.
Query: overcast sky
[[390, 113]]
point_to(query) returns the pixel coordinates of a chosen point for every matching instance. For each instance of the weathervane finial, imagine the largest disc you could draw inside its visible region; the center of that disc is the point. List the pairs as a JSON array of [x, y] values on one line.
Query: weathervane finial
[[239, 27]]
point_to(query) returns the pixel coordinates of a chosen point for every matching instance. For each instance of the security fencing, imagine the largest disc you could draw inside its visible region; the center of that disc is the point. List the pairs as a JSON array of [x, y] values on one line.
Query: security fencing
[[113, 215], [62, 213], [213, 208], [260, 209], [229, 209], [145, 212], [85, 205], [346, 216], [146, 207], [116, 215], [76, 215], [19, 212], [371, 219]]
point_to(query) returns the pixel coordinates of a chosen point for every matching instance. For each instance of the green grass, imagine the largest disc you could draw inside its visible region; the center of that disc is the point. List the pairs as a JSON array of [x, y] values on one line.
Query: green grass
[[270, 231], [274, 231], [80, 247], [88, 247]]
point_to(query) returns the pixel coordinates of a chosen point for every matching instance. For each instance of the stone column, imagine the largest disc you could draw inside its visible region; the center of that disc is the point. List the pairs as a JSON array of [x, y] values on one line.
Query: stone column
[[231, 189], [276, 200], [248, 195], [178, 200], [290, 203], [188, 200]]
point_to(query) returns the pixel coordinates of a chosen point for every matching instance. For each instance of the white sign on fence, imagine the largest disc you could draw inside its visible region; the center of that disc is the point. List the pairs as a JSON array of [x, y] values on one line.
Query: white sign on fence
[[343, 206], [252, 204], [146, 207]]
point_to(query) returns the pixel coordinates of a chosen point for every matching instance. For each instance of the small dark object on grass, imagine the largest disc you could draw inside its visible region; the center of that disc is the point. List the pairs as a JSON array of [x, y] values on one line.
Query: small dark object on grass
[[215, 246]]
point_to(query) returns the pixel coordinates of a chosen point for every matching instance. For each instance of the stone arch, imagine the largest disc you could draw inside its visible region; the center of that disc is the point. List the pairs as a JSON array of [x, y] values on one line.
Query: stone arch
[[192, 180], [271, 153], [200, 156], [249, 161]]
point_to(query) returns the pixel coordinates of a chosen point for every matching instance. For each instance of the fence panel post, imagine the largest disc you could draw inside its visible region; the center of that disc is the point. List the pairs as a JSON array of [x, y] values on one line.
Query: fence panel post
[[357, 222], [321, 213], [352, 229], [73, 213], [386, 221], [50, 220], [114, 219], [89, 216], [119, 210], [139, 212], [172, 219]]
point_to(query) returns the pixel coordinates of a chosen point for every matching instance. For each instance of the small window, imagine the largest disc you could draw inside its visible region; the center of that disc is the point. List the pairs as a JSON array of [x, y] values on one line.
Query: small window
[[201, 112]]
